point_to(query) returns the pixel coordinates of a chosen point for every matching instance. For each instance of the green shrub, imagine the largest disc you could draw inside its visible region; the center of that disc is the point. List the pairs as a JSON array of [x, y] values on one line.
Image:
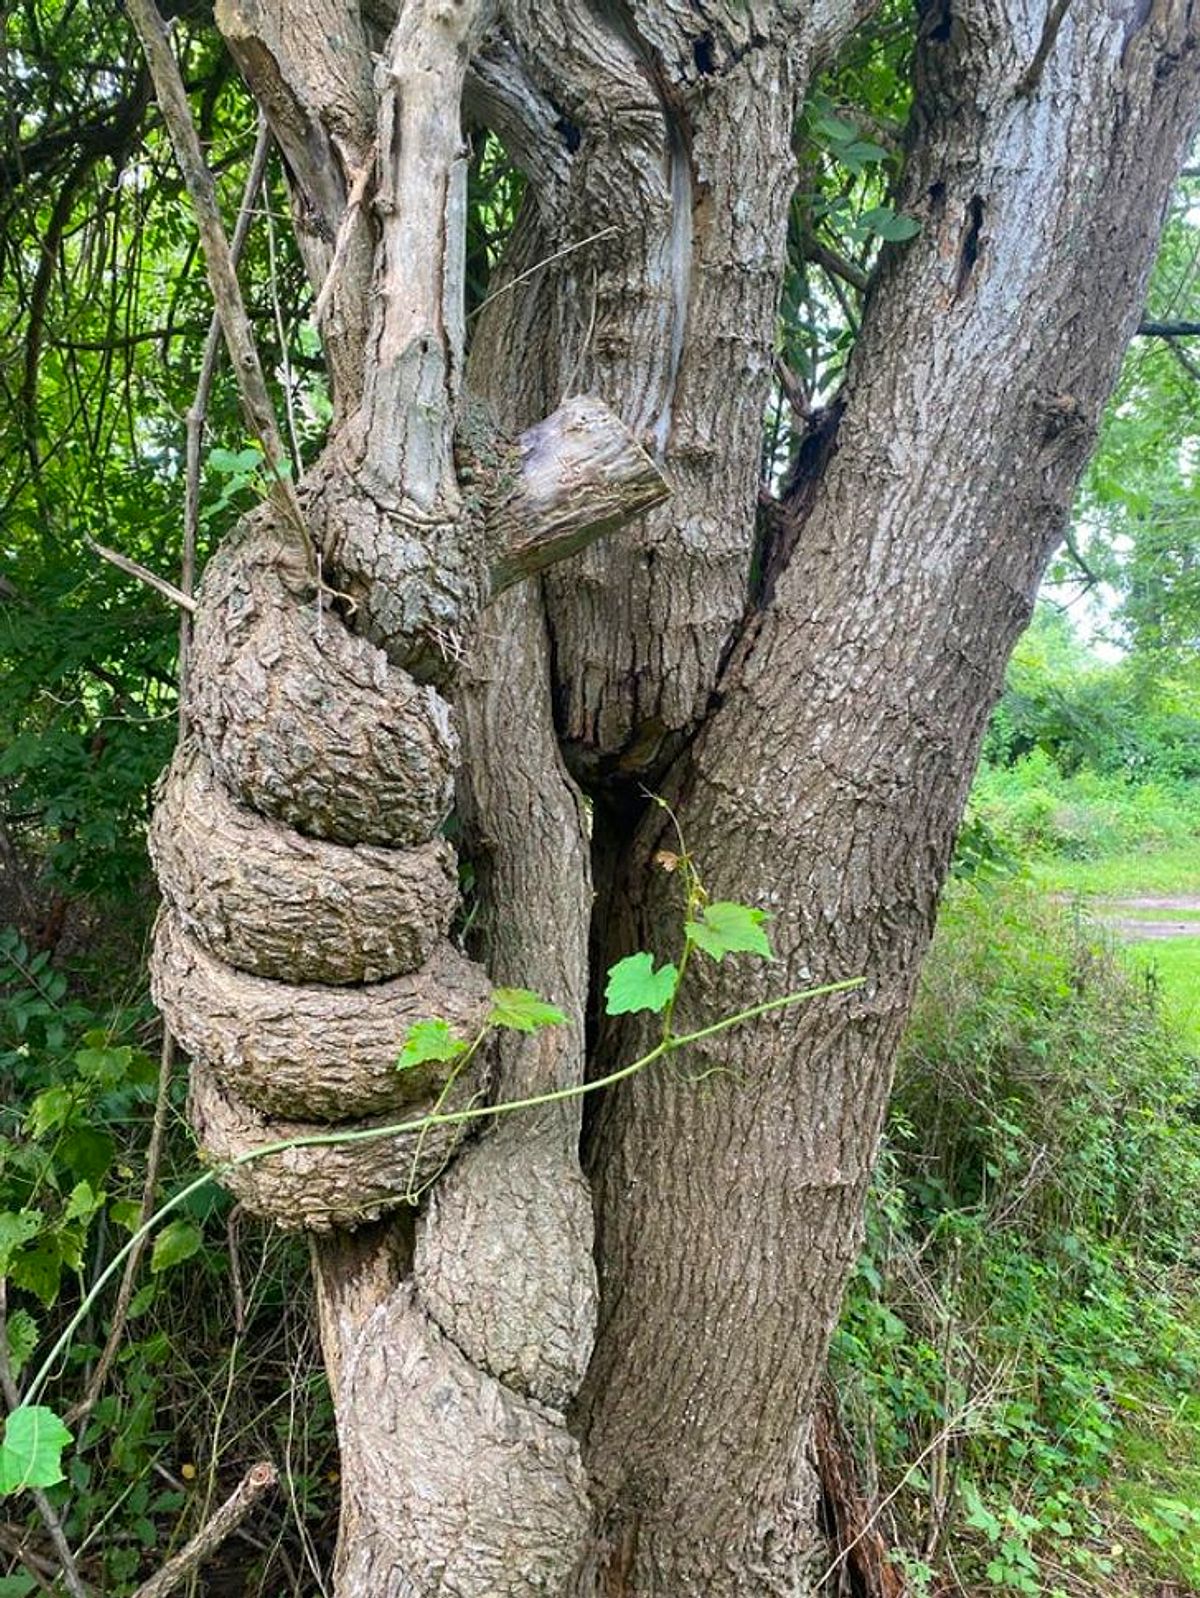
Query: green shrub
[[219, 1325], [1027, 1289]]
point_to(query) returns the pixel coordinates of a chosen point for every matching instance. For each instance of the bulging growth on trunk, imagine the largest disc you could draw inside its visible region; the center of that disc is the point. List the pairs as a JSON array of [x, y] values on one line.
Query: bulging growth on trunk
[[541, 1388]]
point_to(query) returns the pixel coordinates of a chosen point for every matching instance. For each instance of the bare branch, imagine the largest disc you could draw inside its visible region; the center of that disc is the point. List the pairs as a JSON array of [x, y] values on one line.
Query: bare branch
[[258, 1480], [222, 274], [1032, 75], [829, 260], [1168, 329], [144, 575]]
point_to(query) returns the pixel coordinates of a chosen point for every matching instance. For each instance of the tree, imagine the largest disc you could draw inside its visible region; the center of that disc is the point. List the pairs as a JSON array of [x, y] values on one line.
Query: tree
[[523, 1406]]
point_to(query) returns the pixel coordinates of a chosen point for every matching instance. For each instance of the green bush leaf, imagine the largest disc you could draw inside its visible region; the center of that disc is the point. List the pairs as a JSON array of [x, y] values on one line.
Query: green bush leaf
[[177, 1242], [429, 1040], [23, 1337], [18, 1586], [31, 1453], [83, 1202], [16, 1229], [728, 928], [126, 1213], [634, 984], [890, 225], [522, 1010], [50, 1110]]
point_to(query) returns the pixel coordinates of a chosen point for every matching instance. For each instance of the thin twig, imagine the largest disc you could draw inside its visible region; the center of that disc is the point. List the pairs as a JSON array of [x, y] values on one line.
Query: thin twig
[[289, 400], [354, 201], [38, 1567], [567, 249], [12, 1399], [222, 276], [198, 413], [120, 1314], [144, 575], [258, 1480]]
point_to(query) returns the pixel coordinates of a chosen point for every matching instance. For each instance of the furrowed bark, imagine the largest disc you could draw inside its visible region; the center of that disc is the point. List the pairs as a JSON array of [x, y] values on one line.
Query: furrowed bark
[[670, 316], [829, 783]]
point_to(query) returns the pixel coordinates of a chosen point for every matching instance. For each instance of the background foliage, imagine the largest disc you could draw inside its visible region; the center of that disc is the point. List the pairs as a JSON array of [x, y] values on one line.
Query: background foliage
[[1019, 1345]]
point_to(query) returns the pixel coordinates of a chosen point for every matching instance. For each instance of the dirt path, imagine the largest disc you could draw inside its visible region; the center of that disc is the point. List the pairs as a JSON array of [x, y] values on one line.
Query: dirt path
[[1146, 927]]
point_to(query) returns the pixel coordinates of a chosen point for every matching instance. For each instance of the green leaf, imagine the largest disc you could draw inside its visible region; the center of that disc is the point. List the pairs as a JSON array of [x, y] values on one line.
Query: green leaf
[[18, 1586], [126, 1213], [728, 928], [39, 1269], [16, 1229], [890, 225], [23, 1338], [86, 1153], [177, 1242], [522, 1011], [83, 1202], [142, 1300], [634, 984], [429, 1040], [835, 129], [50, 1109], [861, 153], [31, 1453], [231, 463]]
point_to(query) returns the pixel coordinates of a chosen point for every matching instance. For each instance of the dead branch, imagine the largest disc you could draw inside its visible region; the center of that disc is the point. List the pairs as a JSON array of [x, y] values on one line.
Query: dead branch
[[144, 575], [258, 1480]]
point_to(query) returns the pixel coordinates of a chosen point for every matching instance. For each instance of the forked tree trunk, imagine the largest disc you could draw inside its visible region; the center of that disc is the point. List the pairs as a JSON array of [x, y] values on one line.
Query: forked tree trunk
[[815, 729]]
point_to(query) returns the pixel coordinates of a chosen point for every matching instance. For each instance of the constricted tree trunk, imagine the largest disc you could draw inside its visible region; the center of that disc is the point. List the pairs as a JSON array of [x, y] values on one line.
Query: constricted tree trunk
[[578, 1355]]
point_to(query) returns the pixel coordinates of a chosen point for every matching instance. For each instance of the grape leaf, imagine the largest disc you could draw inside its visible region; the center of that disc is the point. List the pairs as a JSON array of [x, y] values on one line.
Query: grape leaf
[[31, 1453], [429, 1040], [177, 1242], [83, 1202], [23, 1338], [522, 1010], [634, 984], [728, 928], [16, 1228]]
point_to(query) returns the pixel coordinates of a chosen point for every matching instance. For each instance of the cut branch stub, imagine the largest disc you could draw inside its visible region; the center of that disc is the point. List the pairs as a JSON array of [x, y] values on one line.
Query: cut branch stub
[[277, 904], [582, 474], [418, 585], [319, 1186], [303, 719], [324, 1054]]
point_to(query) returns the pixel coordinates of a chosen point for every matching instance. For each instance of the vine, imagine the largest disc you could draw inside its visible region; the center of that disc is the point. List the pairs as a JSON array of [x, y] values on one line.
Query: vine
[[35, 1436]]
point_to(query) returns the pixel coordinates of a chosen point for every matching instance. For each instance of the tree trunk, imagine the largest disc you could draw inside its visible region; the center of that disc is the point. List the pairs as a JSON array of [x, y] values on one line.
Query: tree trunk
[[812, 710]]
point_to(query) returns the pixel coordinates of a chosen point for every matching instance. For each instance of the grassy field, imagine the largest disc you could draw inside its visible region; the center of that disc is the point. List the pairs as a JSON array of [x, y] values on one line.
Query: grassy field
[[1171, 872], [1173, 964]]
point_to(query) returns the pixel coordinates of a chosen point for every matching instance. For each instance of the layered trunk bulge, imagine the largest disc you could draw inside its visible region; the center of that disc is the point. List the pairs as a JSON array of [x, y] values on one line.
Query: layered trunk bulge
[[526, 586]]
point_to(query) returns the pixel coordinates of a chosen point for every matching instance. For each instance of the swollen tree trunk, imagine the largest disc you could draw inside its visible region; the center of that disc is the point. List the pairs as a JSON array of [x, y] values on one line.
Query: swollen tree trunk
[[523, 1407]]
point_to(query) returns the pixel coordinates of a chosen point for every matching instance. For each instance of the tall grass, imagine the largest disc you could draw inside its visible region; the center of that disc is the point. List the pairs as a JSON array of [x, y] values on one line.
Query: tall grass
[[1025, 1310]]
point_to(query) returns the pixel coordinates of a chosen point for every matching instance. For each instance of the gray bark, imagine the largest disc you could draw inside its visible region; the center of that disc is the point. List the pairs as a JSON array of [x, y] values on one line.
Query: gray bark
[[816, 735]]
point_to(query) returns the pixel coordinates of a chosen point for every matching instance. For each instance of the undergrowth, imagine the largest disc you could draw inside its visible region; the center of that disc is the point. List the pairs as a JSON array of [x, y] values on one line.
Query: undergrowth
[[218, 1365], [1086, 815], [1021, 1339]]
